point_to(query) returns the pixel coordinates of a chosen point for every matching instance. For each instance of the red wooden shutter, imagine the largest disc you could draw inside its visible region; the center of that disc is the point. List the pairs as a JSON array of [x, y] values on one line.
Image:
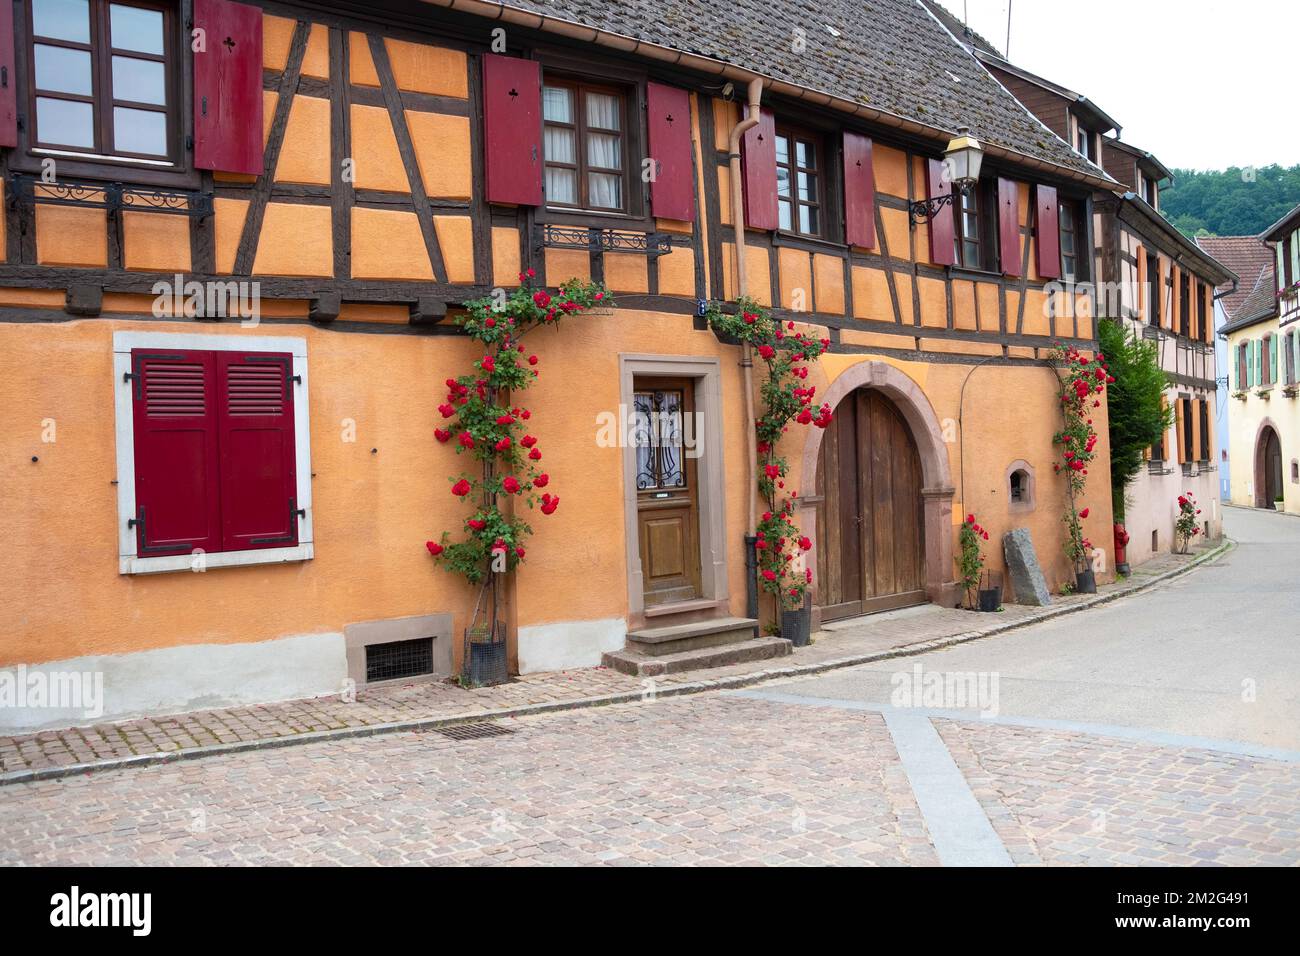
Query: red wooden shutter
[[943, 251], [177, 500], [1009, 226], [228, 87], [672, 192], [8, 79], [512, 129], [758, 150], [259, 480], [859, 192], [1048, 233]]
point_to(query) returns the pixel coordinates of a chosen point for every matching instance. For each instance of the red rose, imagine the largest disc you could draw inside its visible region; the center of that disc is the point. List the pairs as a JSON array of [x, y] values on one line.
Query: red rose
[[1083, 513], [442, 434], [528, 441], [986, 535], [804, 417], [766, 351], [532, 359], [525, 414], [772, 471], [476, 524], [970, 519], [519, 553], [550, 503], [541, 299], [535, 455], [511, 484], [750, 318], [488, 364], [769, 575], [461, 488], [447, 410], [531, 273], [767, 516], [505, 420], [541, 480], [466, 439], [503, 444], [491, 323], [805, 543], [434, 547]]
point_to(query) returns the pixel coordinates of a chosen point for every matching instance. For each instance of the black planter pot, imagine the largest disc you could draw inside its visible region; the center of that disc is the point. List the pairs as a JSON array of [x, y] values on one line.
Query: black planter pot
[[1085, 582], [990, 599], [796, 626]]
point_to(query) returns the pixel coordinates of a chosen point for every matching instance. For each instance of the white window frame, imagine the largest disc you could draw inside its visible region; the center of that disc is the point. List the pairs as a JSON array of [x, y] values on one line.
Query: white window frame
[[129, 561]]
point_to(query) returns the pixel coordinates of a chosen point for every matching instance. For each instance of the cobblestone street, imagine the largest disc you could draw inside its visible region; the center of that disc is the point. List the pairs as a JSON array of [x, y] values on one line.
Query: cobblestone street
[[1114, 749]]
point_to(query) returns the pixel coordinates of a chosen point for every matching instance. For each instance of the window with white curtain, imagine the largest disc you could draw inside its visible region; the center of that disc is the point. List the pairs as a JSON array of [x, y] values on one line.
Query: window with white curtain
[[584, 141]]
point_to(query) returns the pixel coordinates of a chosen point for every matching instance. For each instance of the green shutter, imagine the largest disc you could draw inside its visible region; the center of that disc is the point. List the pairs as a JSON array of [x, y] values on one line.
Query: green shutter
[[1255, 352]]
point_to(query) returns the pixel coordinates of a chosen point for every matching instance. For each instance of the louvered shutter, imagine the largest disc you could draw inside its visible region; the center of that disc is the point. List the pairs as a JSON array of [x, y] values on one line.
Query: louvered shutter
[[672, 191], [258, 473], [228, 87], [1272, 360], [859, 192], [8, 79], [943, 251], [1048, 232], [177, 493], [512, 130], [1180, 426], [1009, 226], [758, 155]]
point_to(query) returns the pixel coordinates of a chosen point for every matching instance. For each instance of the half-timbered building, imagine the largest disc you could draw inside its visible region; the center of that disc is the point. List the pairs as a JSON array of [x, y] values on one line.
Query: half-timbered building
[[220, 508]]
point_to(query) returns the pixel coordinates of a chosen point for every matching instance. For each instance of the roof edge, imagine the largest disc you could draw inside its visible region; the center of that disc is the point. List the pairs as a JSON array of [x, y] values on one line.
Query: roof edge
[[1218, 271], [496, 10]]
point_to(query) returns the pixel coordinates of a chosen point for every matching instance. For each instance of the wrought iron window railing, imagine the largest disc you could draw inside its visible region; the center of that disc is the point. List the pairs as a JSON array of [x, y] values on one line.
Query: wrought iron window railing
[[111, 196], [605, 240]]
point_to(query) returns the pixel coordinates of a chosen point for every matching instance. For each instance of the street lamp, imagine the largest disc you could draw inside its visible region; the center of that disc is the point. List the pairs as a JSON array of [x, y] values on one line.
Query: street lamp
[[961, 169]]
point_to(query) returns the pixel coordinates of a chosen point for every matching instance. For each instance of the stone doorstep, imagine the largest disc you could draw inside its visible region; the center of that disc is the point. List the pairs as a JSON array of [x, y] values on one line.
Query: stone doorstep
[[676, 638], [736, 652]]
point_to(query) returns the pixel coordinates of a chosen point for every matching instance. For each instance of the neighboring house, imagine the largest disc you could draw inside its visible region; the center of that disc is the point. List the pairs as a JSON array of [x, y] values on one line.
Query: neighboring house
[[1247, 257], [372, 168], [1263, 342], [1152, 278]]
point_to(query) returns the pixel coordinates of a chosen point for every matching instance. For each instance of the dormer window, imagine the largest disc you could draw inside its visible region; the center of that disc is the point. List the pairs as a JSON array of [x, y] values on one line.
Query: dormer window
[[1149, 190], [1085, 142]]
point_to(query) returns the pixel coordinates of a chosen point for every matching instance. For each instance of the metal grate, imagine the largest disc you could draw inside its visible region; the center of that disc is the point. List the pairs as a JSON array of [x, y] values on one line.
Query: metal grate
[[398, 659], [474, 731]]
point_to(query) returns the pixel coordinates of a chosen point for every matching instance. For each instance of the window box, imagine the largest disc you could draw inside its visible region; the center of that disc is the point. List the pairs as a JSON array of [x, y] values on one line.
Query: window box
[[213, 451], [1290, 391], [1265, 392]]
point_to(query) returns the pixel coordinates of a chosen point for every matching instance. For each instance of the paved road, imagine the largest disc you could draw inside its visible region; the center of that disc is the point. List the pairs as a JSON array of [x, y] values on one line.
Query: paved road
[[1120, 736]]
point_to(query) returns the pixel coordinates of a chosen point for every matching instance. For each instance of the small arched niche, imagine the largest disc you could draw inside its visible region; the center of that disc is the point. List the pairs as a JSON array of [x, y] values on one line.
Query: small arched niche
[[1021, 487]]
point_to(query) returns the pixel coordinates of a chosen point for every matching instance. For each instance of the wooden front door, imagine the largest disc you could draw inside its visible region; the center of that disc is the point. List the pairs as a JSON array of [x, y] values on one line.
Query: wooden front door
[[871, 529], [667, 490], [1272, 469]]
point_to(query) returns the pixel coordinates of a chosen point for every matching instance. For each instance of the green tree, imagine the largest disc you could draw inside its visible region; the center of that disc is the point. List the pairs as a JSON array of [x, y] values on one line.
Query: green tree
[[1232, 202], [1138, 417]]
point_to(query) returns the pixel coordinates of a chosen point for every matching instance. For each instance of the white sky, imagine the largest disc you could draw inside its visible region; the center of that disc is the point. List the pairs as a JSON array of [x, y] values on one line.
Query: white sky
[[1216, 88]]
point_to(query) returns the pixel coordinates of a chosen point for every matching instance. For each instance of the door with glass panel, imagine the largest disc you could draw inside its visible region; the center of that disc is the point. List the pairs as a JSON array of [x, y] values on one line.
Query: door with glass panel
[[667, 490]]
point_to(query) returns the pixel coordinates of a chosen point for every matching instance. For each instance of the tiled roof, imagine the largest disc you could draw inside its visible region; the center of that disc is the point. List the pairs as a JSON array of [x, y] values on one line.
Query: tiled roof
[[890, 55], [1260, 303], [1245, 255]]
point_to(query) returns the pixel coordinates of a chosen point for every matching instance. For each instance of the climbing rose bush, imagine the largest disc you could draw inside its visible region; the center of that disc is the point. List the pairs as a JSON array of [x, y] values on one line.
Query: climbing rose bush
[[1186, 527], [1083, 382], [476, 422], [787, 399], [971, 558]]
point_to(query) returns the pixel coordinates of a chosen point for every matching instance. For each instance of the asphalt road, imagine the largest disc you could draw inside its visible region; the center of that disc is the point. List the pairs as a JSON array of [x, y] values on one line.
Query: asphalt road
[[1214, 654]]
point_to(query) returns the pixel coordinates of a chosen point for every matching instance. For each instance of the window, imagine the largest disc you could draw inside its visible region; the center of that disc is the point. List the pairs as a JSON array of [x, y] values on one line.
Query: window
[[1071, 236], [799, 182], [1243, 366], [1085, 143], [975, 212], [1203, 411], [1203, 330], [213, 460], [1154, 290], [1150, 191], [1266, 369], [103, 78], [585, 146], [1288, 348], [1184, 305]]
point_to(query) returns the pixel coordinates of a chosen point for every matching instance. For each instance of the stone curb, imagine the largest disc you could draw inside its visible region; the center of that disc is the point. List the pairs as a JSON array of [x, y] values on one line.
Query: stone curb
[[675, 690]]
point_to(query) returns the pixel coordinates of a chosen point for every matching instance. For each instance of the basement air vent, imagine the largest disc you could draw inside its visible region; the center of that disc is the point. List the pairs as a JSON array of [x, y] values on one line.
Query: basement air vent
[[397, 659]]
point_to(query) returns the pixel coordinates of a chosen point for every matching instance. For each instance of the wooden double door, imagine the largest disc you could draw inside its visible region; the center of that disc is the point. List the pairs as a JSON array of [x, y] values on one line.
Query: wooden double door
[[871, 519]]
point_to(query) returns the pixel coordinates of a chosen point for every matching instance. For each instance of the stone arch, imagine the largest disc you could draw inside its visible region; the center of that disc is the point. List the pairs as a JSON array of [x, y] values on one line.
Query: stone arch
[[937, 491]]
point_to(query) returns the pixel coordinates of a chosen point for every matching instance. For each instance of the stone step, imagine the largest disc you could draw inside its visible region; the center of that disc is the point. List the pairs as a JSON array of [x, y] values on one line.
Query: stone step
[[690, 636], [739, 652]]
